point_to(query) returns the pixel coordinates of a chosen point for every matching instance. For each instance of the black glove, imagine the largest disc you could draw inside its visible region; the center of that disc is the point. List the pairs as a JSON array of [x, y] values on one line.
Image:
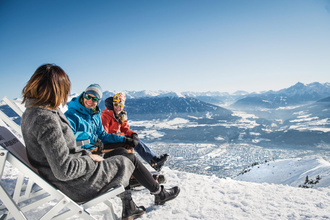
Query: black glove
[[99, 145], [135, 138], [130, 141]]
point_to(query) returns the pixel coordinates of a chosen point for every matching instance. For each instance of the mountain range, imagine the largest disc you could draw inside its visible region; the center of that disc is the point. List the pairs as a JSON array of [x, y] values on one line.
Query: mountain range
[[294, 116], [222, 139], [294, 95], [291, 117]]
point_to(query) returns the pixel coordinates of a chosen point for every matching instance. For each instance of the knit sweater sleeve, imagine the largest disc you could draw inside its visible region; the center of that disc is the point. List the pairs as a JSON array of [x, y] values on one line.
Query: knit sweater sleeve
[[63, 161]]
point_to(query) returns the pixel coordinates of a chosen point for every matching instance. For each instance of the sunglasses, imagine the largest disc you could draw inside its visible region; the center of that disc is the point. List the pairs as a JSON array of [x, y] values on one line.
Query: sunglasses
[[118, 104], [94, 99]]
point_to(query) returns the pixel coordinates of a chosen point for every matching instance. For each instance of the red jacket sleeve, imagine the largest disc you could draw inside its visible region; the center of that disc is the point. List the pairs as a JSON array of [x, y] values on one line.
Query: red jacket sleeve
[[125, 129]]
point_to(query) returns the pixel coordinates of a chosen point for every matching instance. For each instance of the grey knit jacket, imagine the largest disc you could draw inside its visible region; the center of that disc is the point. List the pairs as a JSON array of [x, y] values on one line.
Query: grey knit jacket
[[52, 150]]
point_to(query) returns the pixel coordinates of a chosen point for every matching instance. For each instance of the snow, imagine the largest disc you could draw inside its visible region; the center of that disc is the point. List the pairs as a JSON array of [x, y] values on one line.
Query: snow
[[244, 122], [175, 123], [306, 123], [291, 172], [210, 197]]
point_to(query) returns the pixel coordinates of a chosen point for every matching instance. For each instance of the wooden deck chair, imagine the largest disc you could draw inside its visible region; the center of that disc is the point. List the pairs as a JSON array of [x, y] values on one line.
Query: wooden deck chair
[[26, 198]]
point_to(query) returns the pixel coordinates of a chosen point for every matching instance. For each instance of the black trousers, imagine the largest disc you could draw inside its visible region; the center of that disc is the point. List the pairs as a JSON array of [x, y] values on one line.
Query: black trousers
[[141, 173]]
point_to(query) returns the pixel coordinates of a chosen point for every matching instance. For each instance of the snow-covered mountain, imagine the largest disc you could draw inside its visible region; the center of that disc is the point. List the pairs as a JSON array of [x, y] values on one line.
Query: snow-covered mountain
[[167, 105], [326, 100], [172, 106], [217, 98], [212, 97], [142, 94], [306, 124], [297, 94]]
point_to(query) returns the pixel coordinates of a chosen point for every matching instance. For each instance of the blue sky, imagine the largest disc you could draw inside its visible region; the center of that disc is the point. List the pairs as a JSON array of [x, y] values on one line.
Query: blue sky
[[171, 45]]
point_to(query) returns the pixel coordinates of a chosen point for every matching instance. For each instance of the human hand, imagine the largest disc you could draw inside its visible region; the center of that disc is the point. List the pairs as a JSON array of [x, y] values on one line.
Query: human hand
[[130, 150], [135, 138], [99, 145], [96, 157], [129, 141]]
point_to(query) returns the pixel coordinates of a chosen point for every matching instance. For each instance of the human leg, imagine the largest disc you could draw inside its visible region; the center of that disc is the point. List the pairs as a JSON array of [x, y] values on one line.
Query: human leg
[[130, 210], [158, 162], [142, 175], [160, 178], [144, 151], [150, 157]]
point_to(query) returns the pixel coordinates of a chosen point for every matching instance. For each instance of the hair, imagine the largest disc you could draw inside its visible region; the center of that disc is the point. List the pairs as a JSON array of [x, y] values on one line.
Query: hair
[[109, 103], [49, 86]]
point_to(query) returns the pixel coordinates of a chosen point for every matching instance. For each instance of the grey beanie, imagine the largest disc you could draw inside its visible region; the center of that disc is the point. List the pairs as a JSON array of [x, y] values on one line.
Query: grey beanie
[[94, 89]]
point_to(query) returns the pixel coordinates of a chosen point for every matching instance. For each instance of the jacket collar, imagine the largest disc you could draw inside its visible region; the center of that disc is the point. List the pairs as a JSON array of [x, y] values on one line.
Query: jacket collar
[[76, 105], [57, 111], [29, 102]]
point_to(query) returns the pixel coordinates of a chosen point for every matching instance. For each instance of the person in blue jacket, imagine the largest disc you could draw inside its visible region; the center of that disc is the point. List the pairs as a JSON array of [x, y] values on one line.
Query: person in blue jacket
[[84, 117]]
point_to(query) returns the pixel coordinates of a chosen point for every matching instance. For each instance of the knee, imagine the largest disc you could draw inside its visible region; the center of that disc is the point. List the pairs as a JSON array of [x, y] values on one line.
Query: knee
[[131, 156]]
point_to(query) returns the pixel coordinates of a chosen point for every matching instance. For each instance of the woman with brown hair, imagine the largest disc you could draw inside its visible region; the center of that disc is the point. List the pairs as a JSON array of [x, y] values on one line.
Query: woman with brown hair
[[52, 150]]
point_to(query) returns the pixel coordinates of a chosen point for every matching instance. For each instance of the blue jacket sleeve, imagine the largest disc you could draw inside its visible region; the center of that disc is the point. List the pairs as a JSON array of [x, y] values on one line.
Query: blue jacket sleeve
[[80, 135]]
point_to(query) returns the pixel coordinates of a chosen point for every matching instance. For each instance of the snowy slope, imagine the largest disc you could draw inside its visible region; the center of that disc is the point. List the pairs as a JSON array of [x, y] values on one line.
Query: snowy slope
[[291, 172], [204, 197], [210, 197]]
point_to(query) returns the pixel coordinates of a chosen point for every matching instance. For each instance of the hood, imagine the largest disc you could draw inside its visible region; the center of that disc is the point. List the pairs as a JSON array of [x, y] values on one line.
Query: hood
[[75, 104]]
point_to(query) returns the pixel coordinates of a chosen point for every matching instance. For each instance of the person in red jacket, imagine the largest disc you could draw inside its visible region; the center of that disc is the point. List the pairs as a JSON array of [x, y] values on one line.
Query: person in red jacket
[[114, 120]]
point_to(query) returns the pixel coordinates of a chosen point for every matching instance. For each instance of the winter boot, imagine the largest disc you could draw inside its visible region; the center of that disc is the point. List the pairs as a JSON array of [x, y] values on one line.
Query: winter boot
[[158, 162], [130, 210], [166, 195], [160, 178]]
